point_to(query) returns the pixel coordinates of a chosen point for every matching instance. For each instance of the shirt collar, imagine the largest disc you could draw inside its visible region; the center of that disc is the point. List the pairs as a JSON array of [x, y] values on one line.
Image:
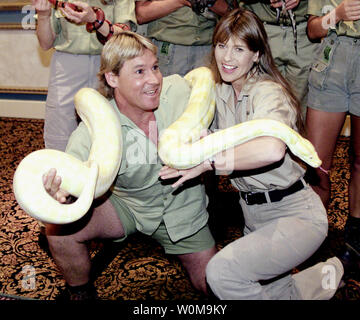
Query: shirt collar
[[225, 90]]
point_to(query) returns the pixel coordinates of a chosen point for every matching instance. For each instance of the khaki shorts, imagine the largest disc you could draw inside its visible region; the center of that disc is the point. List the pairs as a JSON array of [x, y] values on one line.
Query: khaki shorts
[[334, 82], [200, 241]]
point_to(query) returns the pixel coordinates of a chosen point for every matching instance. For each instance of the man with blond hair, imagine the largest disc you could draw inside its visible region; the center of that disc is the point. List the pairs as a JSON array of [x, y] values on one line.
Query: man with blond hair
[[130, 78]]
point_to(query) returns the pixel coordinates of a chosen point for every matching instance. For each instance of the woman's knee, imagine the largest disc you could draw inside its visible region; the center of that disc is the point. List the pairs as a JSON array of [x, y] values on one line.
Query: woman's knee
[[214, 270]]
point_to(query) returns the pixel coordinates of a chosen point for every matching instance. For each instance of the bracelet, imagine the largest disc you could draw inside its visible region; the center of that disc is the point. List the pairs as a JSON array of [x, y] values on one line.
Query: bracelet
[[123, 26], [104, 39], [61, 4], [99, 21]]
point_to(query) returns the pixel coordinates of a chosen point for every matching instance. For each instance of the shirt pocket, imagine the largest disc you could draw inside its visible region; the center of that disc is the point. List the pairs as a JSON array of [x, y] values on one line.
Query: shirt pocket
[[165, 53], [135, 177], [322, 63]]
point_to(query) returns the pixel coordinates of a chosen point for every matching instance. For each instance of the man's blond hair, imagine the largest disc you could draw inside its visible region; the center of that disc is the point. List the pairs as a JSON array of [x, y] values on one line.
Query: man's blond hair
[[119, 49]]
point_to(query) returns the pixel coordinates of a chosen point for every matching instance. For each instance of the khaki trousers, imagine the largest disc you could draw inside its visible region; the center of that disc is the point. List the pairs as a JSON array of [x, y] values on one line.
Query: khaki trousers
[[277, 237], [294, 67], [68, 74]]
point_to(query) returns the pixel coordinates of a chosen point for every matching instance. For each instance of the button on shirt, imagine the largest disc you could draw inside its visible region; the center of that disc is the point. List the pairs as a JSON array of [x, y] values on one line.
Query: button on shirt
[[137, 184], [260, 98], [73, 38]]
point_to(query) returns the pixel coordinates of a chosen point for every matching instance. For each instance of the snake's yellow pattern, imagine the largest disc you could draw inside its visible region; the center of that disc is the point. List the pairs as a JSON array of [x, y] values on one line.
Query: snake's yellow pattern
[[180, 145], [85, 180]]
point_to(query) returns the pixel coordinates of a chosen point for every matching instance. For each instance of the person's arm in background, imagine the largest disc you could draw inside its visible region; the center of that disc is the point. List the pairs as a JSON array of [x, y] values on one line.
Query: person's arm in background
[[289, 4], [147, 11], [44, 32], [347, 10]]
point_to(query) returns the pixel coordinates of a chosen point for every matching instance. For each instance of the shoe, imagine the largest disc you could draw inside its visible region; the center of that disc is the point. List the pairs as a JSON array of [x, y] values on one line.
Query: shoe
[[81, 293], [350, 260], [352, 234]]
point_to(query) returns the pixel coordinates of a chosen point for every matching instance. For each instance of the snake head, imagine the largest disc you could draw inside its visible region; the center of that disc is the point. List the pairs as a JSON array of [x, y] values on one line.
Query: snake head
[[308, 153]]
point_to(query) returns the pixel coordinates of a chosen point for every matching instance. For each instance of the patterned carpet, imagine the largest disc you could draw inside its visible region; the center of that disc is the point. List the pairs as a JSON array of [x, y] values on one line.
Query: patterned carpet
[[137, 269]]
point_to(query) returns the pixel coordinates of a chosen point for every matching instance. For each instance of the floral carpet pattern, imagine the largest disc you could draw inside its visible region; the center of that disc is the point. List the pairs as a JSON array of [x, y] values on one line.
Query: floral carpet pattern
[[137, 269]]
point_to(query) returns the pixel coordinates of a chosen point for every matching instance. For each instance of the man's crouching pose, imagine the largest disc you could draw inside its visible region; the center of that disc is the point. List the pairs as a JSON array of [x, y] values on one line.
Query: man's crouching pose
[[131, 80]]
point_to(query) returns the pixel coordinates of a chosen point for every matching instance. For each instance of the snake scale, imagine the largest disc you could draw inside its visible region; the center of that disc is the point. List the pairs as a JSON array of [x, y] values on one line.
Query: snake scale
[[179, 146]]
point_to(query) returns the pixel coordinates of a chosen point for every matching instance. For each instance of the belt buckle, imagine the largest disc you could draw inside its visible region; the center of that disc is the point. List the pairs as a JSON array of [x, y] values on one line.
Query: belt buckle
[[246, 197]]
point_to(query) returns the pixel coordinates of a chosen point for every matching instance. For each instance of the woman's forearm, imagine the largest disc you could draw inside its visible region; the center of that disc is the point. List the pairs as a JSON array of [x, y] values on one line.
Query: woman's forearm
[[256, 153], [44, 32]]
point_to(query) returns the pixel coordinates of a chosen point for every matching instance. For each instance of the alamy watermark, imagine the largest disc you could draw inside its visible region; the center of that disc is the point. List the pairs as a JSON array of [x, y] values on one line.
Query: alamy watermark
[[28, 281], [28, 20], [329, 279]]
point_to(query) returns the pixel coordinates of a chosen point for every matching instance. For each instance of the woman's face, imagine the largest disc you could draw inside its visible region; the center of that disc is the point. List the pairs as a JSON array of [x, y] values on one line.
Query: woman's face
[[234, 61]]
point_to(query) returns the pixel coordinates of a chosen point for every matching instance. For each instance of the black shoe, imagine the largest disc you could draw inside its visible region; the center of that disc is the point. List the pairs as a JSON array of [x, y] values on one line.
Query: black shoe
[[81, 293], [350, 260], [352, 234]]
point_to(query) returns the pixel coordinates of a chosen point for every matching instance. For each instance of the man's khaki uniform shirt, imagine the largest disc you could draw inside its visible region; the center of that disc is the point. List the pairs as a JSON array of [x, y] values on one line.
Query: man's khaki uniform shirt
[[137, 185], [183, 27], [266, 13]]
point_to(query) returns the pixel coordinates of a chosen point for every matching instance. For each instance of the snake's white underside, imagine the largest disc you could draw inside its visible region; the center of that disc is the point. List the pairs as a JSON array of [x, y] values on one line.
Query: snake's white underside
[[179, 146]]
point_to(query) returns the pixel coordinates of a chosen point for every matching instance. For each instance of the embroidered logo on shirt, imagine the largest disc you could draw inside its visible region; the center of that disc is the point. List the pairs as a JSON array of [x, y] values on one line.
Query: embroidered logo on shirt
[[165, 48]]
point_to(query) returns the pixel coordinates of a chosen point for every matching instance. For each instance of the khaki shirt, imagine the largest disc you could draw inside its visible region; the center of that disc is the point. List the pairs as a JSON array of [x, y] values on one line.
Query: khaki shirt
[[137, 184], [73, 38], [260, 98], [266, 13], [343, 28], [183, 27]]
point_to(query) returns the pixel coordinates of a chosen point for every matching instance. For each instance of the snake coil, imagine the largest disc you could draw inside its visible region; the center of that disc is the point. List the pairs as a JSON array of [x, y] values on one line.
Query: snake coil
[[179, 146]]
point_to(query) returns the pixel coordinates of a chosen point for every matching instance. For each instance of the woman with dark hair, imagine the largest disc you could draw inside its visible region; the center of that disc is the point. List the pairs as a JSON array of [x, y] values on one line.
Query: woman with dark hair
[[285, 220]]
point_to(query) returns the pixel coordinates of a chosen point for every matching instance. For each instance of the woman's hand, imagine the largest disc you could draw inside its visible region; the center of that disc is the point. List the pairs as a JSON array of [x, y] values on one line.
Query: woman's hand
[[186, 174], [43, 7], [86, 14], [348, 10], [52, 184], [289, 4]]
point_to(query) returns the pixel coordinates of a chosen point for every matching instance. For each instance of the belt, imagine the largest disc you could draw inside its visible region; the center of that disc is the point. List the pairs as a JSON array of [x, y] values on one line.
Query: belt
[[283, 24], [274, 195]]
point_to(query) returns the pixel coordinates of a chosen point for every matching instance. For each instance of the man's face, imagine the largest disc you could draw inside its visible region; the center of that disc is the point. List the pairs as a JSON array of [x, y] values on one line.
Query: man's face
[[138, 85]]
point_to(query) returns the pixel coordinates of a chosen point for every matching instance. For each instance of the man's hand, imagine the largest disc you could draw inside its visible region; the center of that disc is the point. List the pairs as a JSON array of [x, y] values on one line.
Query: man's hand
[[52, 184], [289, 4], [186, 174], [43, 7], [348, 10]]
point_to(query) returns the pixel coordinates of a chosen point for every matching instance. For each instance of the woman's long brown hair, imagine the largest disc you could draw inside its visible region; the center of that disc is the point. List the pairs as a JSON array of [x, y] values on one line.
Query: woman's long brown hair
[[249, 28]]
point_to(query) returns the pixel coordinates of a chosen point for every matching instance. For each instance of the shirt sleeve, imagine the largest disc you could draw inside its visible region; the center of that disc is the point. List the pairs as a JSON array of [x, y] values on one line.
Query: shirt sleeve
[[124, 11], [269, 101], [79, 143], [55, 22], [315, 8]]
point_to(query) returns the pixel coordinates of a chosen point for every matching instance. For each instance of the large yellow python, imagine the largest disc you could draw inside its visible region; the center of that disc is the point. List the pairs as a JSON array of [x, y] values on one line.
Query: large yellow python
[[85, 180], [179, 146]]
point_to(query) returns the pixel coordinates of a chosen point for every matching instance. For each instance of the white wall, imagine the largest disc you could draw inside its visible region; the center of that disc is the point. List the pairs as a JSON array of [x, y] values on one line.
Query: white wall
[[23, 62]]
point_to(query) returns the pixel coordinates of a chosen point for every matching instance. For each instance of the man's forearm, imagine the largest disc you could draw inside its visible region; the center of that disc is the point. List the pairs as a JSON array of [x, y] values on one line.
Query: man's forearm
[[147, 11]]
